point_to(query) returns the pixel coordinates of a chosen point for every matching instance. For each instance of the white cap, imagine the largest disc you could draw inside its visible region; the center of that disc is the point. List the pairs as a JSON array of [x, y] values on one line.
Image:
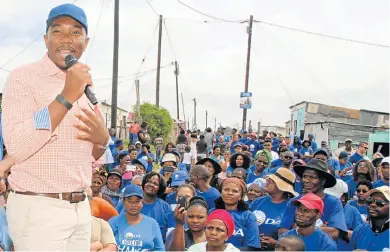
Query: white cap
[[259, 181], [338, 190], [386, 160]]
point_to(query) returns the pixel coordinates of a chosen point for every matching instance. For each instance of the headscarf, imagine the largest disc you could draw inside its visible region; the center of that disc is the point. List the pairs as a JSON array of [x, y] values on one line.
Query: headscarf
[[265, 153], [239, 182], [225, 217], [101, 174]]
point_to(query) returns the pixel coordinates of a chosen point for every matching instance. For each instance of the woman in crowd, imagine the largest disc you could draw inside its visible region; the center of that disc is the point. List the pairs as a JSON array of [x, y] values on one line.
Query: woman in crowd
[[261, 164], [153, 186], [217, 155], [124, 161], [113, 187], [140, 167], [99, 179], [168, 148], [238, 160], [133, 230], [361, 190], [363, 170], [219, 229], [280, 188], [194, 217], [214, 169], [352, 215], [185, 190], [256, 190], [225, 165], [297, 144], [246, 236]]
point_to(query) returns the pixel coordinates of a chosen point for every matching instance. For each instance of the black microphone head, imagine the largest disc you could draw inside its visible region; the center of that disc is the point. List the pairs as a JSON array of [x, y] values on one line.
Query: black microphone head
[[70, 60]]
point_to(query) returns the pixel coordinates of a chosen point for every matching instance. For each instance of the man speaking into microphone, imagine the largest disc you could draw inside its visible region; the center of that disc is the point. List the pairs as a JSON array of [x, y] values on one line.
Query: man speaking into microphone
[[54, 134]]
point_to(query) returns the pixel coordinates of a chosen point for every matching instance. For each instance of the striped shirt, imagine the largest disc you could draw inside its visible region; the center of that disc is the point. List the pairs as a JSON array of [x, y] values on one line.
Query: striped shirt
[[46, 162]]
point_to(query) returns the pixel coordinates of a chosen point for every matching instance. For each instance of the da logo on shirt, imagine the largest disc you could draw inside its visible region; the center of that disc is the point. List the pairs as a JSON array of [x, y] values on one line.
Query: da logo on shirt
[[131, 236], [260, 216]]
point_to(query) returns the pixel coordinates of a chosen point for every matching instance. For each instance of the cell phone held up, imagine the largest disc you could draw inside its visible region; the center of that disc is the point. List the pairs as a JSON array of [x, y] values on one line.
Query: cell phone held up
[[182, 202], [168, 168]]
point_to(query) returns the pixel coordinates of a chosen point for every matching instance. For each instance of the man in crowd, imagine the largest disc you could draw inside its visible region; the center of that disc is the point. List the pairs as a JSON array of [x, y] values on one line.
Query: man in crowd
[[347, 148], [244, 139], [384, 173], [254, 145], [313, 144], [268, 147], [309, 209], [374, 235], [199, 176], [142, 135], [53, 147], [315, 179], [360, 153], [201, 147], [345, 166], [290, 243]]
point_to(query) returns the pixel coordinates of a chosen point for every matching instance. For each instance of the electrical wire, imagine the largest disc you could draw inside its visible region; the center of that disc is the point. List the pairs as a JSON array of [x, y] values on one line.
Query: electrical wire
[[96, 30], [322, 35], [210, 16], [195, 21], [151, 6], [169, 40]]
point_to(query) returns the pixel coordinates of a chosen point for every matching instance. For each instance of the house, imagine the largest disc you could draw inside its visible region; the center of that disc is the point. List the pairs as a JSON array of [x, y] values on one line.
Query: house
[[274, 128], [122, 119], [335, 124]]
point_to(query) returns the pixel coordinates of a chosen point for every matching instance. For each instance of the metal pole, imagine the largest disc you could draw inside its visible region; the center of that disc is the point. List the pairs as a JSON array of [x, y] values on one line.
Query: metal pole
[[177, 90], [158, 62], [248, 59], [114, 93], [194, 123]]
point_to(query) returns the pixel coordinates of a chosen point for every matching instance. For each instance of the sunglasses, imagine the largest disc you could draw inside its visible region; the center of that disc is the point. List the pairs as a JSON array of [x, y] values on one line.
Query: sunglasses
[[363, 191], [379, 203], [288, 157]]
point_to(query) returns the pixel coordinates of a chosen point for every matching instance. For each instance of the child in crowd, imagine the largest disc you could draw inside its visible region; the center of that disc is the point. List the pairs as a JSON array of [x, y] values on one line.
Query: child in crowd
[[187, 157]]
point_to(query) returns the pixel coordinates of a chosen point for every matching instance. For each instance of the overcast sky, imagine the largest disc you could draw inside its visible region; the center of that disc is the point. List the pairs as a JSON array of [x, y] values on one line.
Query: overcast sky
[[286, 66]]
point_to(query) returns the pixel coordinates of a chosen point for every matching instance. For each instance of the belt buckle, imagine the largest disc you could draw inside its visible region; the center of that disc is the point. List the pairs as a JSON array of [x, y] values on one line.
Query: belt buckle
[[72, 198]]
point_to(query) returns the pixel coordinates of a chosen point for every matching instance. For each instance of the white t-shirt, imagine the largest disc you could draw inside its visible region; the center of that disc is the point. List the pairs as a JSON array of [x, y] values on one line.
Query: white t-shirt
[[187, 158], [274, 155], [201, 247]]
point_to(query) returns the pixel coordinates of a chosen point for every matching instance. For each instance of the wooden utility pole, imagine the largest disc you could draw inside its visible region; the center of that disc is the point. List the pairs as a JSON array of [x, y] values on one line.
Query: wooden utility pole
[[114, 93], [206, 117], [182, 104], [258, 128], [215, 124], [158, 62], [248, 60], [177, 90], [194, 123]]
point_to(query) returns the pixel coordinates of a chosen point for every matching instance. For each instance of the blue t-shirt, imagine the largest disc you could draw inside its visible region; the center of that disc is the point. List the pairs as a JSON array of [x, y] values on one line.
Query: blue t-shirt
[[363, 210], [314, 145], [364, 238], [353, 219], [171, 198], [333, 213], [143, 236], [351, 188], [334, 163], [232, 147], [244, 140], [276, 163], [144, 157], [210, 195], [252, 177], [303, 151], [348, 174], [355, 158], [379, 183], [317, 241], [268, 215], [157, 211], [253, 147], [170, 221], [246, 232]]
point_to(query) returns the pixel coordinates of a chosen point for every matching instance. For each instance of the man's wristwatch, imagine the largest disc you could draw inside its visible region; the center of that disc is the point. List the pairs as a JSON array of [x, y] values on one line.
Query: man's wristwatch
[[64, 102]]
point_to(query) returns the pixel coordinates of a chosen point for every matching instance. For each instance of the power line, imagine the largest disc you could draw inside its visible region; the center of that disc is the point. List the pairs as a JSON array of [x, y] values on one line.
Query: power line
[[151, 6], [195, 21], [96, 30], [322, 35], [169, 40], [207, 15]]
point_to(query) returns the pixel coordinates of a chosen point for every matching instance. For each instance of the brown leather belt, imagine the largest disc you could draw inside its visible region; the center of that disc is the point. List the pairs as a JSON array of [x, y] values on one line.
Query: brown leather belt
[[72, 197]]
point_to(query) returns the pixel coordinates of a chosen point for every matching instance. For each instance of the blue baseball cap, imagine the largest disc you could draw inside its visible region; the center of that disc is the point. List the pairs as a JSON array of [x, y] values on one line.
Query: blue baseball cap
[[179, 178], [322, 150], [140, 162], [68, 10], [133, 190]]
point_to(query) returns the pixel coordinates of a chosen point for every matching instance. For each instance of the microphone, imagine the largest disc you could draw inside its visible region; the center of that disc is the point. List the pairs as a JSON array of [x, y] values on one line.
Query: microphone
[[70, 60]]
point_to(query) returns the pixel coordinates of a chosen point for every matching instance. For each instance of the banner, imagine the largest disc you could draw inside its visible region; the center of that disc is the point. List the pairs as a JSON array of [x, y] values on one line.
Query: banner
[[246, 100]]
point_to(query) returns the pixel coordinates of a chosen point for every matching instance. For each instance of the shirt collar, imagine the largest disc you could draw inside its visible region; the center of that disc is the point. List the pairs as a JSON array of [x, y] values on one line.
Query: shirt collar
[[50, 68]]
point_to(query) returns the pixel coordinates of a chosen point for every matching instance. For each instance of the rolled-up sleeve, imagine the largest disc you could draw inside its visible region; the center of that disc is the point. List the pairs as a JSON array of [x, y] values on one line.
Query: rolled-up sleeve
[[26, 128]]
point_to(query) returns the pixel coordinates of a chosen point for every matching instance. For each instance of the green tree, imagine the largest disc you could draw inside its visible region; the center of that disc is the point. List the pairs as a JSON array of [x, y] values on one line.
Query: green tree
[[158, 118]]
